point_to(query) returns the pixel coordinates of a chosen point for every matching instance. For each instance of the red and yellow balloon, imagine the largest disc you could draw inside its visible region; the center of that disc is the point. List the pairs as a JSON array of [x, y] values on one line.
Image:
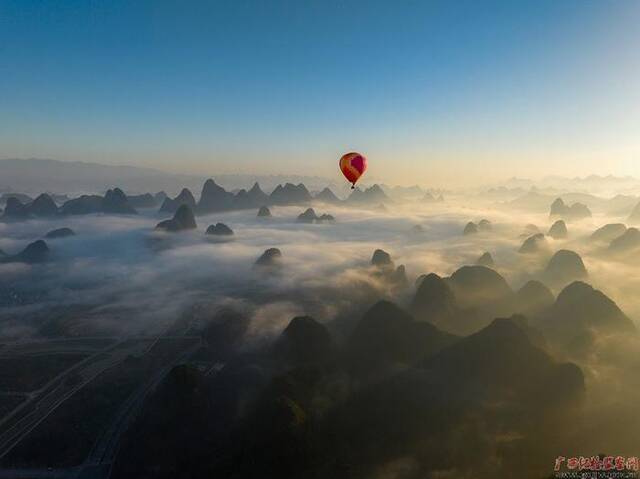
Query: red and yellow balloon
[[353, 165]]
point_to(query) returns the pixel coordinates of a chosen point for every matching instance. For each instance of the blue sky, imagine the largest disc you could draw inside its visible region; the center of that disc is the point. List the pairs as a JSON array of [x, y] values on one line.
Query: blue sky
[[429, 91]]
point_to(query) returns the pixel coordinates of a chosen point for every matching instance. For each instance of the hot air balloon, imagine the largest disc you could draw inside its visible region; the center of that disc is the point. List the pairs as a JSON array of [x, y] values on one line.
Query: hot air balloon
[[353, 165]]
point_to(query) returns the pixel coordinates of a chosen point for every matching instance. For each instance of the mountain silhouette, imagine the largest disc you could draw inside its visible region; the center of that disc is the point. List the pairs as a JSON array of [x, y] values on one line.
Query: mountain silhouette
[[533, 298], [485, 260], [385, 269], [530, 230], [501, 360], [60, 233], [43, 206], [372, 195], [290, 194], [115, 202], [533, 244], [626, 242], [15, 210], [245, 200], [215, 198], [146, 200], [264, 212], [160, 196], [608, 232], [24, 199], [325, 218], [219, 229], [224, 332], [484, 225], [558, 207], [470, 228], [434, 301], [304, 340], [388, 334], [184, 198], [563, 267], [465, 302], [36, 252], [479, 286], [558, 230], [382, 259], [579, 211], [182, 220], [270, 258], [84, 205], [399, 277], [492, 379], [574, 212], [309, 216], [252, 199], [327, 196], [634, 217], [580, 313]]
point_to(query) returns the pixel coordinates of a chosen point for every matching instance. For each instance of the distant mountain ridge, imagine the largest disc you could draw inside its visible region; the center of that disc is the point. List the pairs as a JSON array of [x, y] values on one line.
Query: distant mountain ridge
[[213, 198], [34, 175]]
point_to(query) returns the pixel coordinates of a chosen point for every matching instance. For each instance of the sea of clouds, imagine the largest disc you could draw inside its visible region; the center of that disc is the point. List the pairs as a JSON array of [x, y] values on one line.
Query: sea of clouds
[[119, 277], [133, 279]]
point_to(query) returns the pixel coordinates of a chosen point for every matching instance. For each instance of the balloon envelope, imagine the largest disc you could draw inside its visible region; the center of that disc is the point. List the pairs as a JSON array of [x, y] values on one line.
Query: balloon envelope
[[353, 165]]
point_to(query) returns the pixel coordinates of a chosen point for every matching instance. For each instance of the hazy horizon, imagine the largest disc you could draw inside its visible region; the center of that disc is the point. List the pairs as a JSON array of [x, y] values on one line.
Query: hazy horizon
[[17, 179]]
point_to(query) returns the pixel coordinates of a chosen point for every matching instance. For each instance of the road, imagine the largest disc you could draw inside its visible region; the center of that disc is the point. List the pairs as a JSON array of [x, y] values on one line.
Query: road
[[105, 450], [23, 420]]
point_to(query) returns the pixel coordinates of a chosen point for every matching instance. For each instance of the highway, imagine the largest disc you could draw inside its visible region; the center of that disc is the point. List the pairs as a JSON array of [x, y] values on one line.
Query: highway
[[105, 449], [24, 419], [35, 410]]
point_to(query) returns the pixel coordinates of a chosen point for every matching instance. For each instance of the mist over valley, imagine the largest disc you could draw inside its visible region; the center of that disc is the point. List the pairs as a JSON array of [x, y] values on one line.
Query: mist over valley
[[302, 328]]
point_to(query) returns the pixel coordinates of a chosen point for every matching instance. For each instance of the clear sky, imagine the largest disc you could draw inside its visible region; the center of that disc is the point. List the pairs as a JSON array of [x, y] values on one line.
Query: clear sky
[[431, 92]]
